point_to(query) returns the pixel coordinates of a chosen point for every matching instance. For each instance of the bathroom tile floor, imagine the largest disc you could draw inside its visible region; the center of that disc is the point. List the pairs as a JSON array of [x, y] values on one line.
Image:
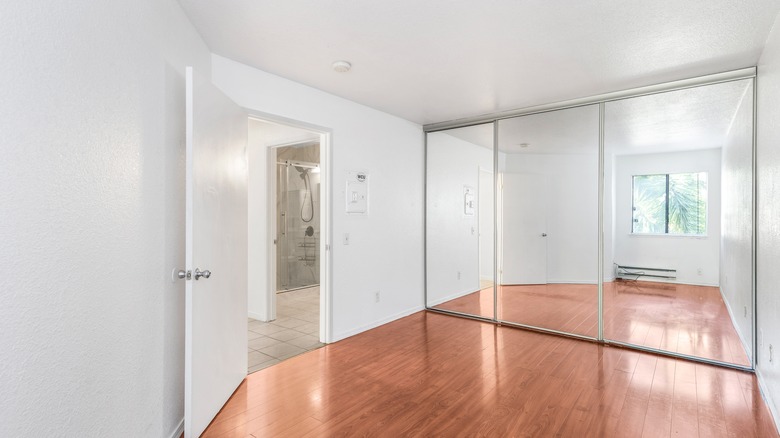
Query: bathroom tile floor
[[295, 330]]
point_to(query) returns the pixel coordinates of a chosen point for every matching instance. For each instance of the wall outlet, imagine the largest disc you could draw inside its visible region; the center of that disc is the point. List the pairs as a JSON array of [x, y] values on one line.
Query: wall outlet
[[377, 296], [745, 311], [346, 238], [698, 271], [771, 354], [458, 275]]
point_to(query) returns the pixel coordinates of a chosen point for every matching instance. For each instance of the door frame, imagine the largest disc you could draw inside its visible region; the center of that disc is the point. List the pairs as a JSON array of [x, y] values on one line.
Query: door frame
[[326, 218]]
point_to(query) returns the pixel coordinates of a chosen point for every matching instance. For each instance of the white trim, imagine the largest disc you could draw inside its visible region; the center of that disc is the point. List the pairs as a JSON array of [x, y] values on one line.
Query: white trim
[[326, 213], [449, 297], [179, 430], [588, 282], [343, 335], [711, 79], [765, 394], [257, 316], [746, 345]]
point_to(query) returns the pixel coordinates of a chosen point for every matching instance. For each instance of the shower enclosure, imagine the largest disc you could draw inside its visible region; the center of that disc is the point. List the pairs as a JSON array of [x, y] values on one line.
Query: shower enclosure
[[298, 225]]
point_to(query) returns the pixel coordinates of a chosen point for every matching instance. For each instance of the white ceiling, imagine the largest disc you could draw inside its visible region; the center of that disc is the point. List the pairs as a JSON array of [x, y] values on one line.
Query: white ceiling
[[683, 120], [437, 60], [697, 118]]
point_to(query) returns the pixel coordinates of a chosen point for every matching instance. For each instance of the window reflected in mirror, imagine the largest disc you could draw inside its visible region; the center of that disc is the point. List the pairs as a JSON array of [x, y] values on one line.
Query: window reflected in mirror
[[678, 221]]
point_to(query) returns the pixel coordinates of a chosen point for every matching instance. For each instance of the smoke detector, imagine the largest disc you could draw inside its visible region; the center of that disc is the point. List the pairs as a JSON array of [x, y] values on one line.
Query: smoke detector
[[342, 66]]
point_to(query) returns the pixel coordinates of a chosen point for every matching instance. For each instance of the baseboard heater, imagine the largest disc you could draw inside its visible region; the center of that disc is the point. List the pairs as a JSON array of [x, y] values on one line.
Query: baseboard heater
[[635, 273]]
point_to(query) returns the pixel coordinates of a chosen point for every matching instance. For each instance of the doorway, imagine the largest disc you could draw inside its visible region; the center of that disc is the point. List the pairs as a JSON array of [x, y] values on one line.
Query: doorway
[[288, 218]]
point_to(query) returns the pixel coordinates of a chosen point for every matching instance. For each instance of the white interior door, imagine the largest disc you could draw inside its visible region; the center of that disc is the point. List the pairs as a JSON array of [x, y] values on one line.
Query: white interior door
[[216, 227], [524, 234]]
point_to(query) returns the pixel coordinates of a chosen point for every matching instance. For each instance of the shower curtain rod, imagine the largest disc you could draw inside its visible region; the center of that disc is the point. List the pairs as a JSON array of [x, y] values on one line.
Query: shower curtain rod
[[305, 164]]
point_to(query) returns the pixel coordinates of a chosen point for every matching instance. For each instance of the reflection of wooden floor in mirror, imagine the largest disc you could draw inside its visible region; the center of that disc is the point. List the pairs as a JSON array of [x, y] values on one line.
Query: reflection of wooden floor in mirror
[[675, 317], [679, 318], [435, 375]]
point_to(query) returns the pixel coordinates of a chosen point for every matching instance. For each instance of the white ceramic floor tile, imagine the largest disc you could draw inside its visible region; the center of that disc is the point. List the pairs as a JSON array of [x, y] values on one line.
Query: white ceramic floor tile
[[295, 330]]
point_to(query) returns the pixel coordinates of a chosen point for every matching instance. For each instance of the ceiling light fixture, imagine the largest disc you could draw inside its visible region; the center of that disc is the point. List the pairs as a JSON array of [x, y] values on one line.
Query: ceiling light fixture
[[342, 66]]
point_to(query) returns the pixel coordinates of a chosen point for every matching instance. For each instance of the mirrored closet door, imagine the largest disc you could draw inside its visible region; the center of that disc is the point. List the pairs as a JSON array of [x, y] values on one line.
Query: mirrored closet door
[[460, 221], [548, 220], [516, 227], [678, 221]]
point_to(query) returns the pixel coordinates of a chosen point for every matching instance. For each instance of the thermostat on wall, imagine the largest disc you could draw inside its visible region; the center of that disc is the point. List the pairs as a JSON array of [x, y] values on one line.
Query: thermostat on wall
[[357, 192]]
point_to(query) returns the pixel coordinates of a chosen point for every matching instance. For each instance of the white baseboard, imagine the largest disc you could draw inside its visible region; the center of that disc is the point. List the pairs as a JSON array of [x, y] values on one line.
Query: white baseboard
[[452, 297], [343, 335], [179, 430], [748, 346], [663, 280], [257, 316], [765, 394], [554, 281]]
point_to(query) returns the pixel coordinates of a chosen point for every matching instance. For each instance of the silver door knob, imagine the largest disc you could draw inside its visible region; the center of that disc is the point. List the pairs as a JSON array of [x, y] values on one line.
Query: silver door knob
[[204, 274], [544, 234], [183, 275]]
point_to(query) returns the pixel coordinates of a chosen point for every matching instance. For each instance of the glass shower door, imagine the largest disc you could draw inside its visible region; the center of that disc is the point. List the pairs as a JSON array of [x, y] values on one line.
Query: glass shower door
[[298, 225]]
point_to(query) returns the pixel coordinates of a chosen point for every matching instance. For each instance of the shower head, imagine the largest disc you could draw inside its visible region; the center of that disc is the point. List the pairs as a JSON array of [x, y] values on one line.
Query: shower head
[[302, 170]]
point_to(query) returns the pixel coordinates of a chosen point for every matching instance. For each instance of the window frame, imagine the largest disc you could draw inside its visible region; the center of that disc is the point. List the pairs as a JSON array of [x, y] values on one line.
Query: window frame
[[666, 232]]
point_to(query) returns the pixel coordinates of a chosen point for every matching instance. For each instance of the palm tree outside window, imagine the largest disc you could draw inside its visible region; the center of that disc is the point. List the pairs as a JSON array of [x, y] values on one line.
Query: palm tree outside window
[[674, 204]]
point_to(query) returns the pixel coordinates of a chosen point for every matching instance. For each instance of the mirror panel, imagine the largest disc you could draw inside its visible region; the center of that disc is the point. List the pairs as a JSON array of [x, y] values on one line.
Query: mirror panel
[[678, 221], [460, 220], [548, 220]]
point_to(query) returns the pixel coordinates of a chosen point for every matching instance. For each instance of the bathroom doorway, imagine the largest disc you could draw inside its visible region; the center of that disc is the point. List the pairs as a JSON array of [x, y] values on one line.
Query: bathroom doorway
[[287, 233]]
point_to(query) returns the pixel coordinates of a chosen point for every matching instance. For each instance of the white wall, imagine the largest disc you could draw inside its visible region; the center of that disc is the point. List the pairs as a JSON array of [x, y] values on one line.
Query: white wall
[[685, 254], [386, 247], [768, 256], [736, 247], [452, 236], [92, 216], [572, 212]]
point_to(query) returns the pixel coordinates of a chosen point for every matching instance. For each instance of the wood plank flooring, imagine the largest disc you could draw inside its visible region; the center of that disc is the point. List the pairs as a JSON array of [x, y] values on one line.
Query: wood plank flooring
[[437, 375], [674, 317]]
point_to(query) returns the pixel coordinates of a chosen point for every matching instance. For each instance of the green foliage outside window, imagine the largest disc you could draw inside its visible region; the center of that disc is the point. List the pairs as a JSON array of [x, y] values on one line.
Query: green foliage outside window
[[670, 204]]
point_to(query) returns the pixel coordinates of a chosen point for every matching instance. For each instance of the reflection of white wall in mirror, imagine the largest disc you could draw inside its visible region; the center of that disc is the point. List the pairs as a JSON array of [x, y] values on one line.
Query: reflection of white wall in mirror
[[736, 220], [453, 263], [687, 255], [572, 213]]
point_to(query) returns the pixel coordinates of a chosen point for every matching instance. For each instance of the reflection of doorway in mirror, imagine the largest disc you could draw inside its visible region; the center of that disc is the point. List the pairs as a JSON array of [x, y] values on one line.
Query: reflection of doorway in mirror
[[485, 220], [524, 233]]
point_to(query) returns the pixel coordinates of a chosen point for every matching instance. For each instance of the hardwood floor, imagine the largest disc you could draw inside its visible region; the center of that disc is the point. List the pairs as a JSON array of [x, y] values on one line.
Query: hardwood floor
[[674, 317], [437, 375]]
